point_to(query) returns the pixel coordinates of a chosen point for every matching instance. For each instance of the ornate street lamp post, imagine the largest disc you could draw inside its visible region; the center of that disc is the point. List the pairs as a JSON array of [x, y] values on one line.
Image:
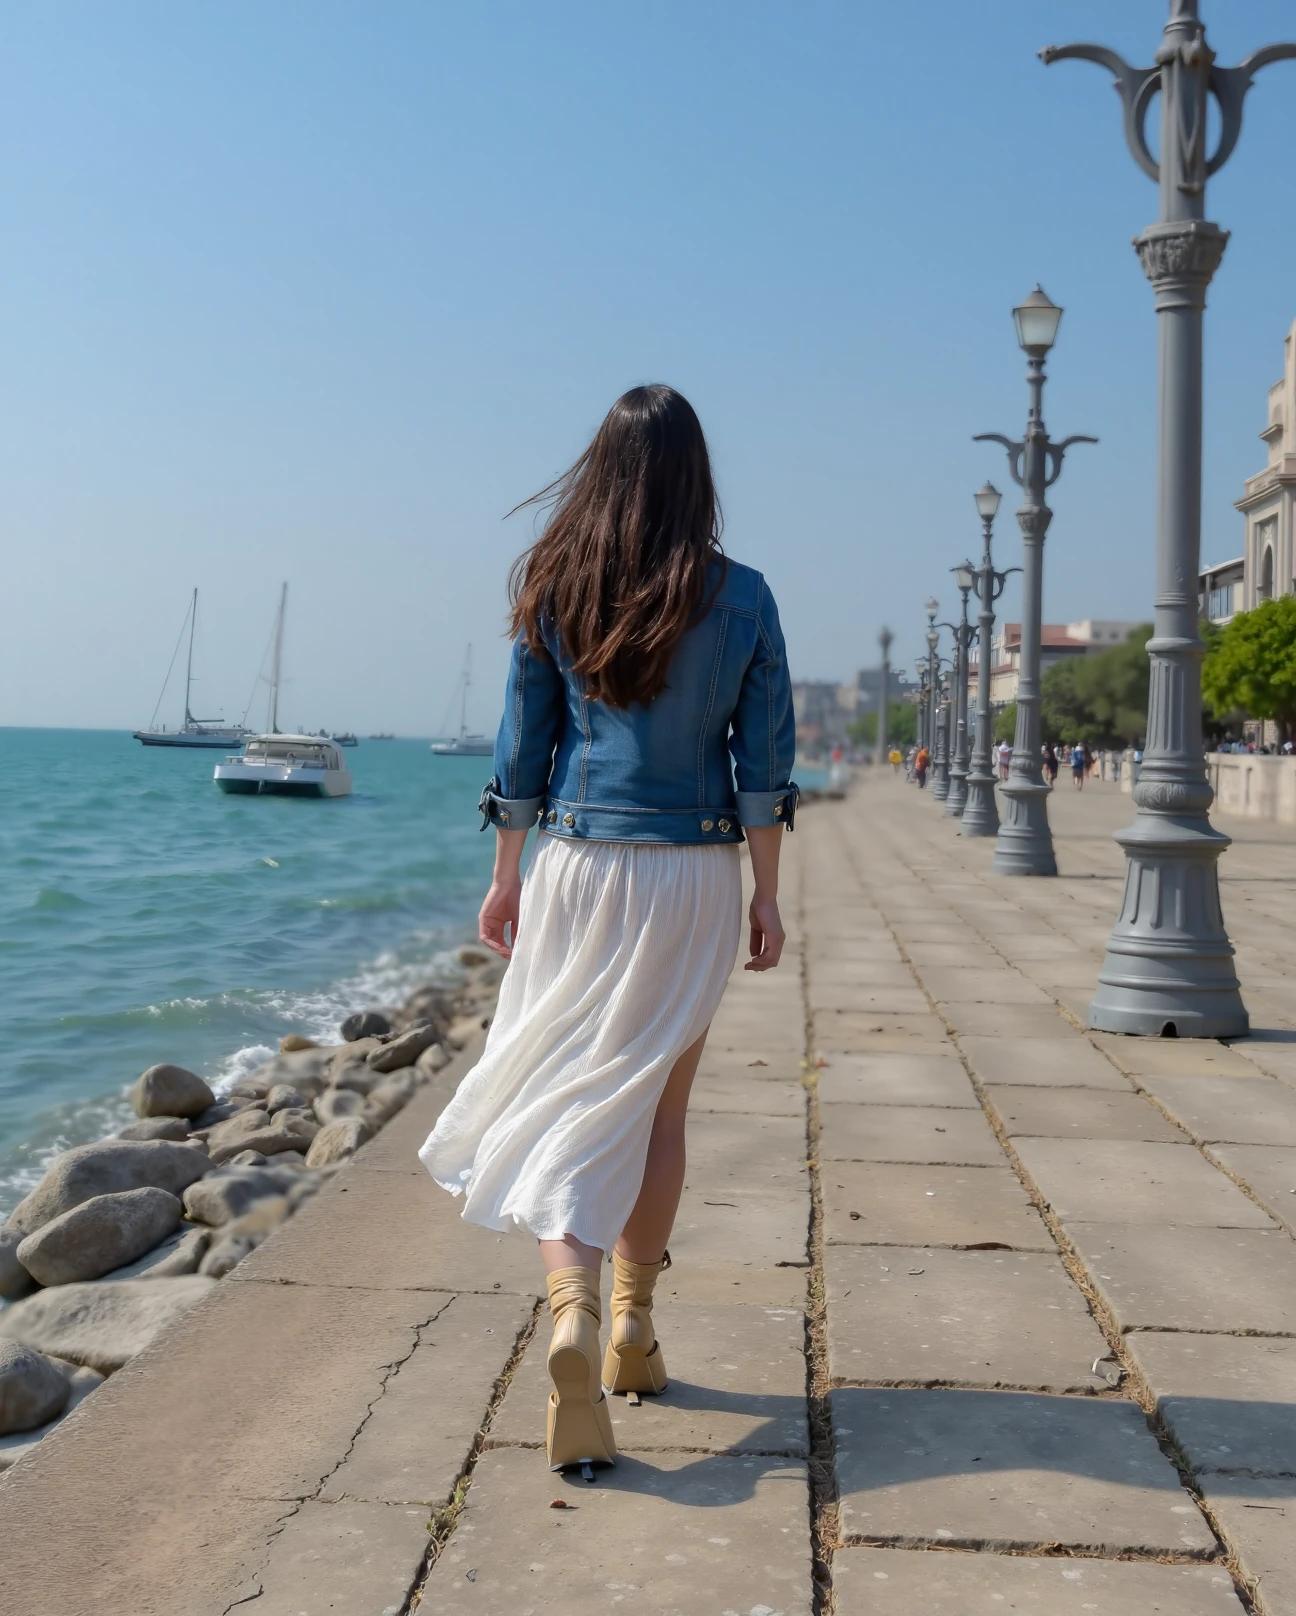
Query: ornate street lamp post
[[1169, 965], [1025, 846], [921, 667], [963, 635], [883, 739], [933, 640], [981, 816], [941, 756]]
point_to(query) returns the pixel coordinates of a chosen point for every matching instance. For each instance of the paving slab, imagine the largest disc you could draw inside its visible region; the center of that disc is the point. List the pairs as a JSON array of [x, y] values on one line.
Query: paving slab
[[174, 1477], [929, 954], [892, 1203], [1230, 1110], [1066, 1060], [923, 1582], [1192, 1279], [853, 1032], [1007, 1020], [737, 1247], [952, 984], [743, 1061], [1066, 1113], [1131, 1181], [414, 1443], [737, 1384], [1008, 1470], [898, 1080], [865, 998], [751, 1153], [906, 1133], [1230, 1400], [740, 1091], [1173, 1057], [666, 1536], [346, 1559], [393, 1231], [828, 975], [1268, 1171], [924, 1316], [1259, 1519]]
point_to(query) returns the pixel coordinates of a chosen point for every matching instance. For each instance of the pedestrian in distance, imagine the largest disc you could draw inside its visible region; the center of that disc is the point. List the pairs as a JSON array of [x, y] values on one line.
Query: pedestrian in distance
[[648, 729], [895, 759], [1005, 759], [1050, 763], [921, 764], [1078, 766]]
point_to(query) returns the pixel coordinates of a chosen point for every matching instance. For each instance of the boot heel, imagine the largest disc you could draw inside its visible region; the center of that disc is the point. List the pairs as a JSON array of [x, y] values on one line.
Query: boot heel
[[631, 1369], [580, 1431]]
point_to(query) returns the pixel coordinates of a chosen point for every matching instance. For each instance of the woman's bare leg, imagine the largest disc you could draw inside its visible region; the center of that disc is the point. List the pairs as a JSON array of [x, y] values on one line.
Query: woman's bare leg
[[649, 1225], [569, 1252]]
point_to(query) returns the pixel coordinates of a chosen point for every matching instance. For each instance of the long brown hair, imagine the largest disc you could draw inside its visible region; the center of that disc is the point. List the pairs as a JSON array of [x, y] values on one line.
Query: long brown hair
[[621, 568]]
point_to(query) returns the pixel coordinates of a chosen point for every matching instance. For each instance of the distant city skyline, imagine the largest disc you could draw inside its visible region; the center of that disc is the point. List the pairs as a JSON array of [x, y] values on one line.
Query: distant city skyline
[[318, 293]]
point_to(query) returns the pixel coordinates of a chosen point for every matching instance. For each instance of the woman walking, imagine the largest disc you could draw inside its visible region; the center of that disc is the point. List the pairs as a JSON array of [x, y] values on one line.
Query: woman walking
[[647, 726]]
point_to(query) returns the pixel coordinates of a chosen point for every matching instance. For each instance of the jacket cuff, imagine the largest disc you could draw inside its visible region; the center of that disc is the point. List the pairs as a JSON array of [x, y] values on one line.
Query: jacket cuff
[[757, 808], [508, 813]]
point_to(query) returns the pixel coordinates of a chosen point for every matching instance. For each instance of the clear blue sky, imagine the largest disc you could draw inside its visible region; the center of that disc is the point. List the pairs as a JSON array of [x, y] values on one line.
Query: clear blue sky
[[318, 291]]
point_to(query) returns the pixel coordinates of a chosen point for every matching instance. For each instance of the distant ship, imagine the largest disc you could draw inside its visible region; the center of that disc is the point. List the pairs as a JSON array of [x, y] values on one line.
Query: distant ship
[[464, 744], [346, 739], [284, 765], [387, 736], [200, 732]]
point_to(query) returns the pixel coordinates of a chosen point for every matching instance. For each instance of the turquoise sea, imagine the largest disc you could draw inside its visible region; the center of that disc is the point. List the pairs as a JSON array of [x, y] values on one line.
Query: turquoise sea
[[145, 916]]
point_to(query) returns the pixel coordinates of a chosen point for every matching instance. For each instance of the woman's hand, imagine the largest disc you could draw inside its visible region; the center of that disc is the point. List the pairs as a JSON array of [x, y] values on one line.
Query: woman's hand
[[766, 935], [500, 910]]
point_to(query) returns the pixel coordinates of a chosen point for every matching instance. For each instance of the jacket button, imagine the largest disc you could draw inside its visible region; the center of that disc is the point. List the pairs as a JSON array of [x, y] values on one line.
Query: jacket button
[[569, 820], [504, 816], [552, 816], [708, 824], [725, 826], [778, 810]]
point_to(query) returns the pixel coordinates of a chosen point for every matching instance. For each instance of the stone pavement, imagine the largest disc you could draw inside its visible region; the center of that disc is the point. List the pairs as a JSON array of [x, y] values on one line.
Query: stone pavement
[[971, 1311]]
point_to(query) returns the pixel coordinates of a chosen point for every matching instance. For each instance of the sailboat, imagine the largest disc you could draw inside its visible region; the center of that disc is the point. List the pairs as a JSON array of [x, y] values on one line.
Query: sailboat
[[207, 732], [279, 764], [464, 744]]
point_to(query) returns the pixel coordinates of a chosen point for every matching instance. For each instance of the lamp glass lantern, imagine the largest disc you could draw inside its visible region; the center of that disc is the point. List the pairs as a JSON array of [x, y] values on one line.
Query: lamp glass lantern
[[933, 637], [1037, 321], [932, 607], [964, 576], [987, 501]]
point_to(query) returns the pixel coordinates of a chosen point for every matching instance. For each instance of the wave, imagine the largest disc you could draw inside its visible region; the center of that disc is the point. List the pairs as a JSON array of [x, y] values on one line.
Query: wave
[[56, 898]]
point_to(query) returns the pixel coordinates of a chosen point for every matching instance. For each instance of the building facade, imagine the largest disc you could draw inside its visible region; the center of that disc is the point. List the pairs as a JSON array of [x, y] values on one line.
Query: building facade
[[1267, 565]]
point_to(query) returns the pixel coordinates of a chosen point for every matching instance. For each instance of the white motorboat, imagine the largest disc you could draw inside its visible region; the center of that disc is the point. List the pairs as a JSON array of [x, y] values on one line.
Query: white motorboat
[[464, 744], [289, 765], [284, 765], [193, 732]]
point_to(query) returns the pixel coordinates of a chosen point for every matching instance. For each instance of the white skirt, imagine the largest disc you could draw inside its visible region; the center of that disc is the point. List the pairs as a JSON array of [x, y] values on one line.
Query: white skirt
[[623, 953]]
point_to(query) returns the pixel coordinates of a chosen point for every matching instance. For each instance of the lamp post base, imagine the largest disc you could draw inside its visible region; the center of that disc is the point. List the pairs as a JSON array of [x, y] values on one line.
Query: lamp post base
[[940, 781], [1169, 968], [981, 813], [956, 801], [1025, 842]]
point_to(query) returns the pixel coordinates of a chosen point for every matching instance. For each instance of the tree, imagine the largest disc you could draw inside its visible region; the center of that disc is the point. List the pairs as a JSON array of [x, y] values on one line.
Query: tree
[[902, 726], [1005, 723], [1252, 664], [1100, 699]]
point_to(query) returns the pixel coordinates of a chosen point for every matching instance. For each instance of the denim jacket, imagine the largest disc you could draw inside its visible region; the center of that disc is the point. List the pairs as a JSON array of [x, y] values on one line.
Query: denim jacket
[[664, 772]]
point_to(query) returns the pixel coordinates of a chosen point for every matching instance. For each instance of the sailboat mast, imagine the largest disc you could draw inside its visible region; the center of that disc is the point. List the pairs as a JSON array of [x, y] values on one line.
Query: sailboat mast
[[467, 680], [278, 660], [193, 623]]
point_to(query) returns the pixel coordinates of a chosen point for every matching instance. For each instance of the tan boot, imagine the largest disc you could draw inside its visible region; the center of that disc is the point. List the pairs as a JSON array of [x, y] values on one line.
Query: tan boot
[[580, 1422], [633, 1361]]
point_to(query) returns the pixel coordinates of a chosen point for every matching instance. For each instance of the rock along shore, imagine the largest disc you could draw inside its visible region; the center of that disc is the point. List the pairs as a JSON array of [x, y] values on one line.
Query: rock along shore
[[122, 1237]]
